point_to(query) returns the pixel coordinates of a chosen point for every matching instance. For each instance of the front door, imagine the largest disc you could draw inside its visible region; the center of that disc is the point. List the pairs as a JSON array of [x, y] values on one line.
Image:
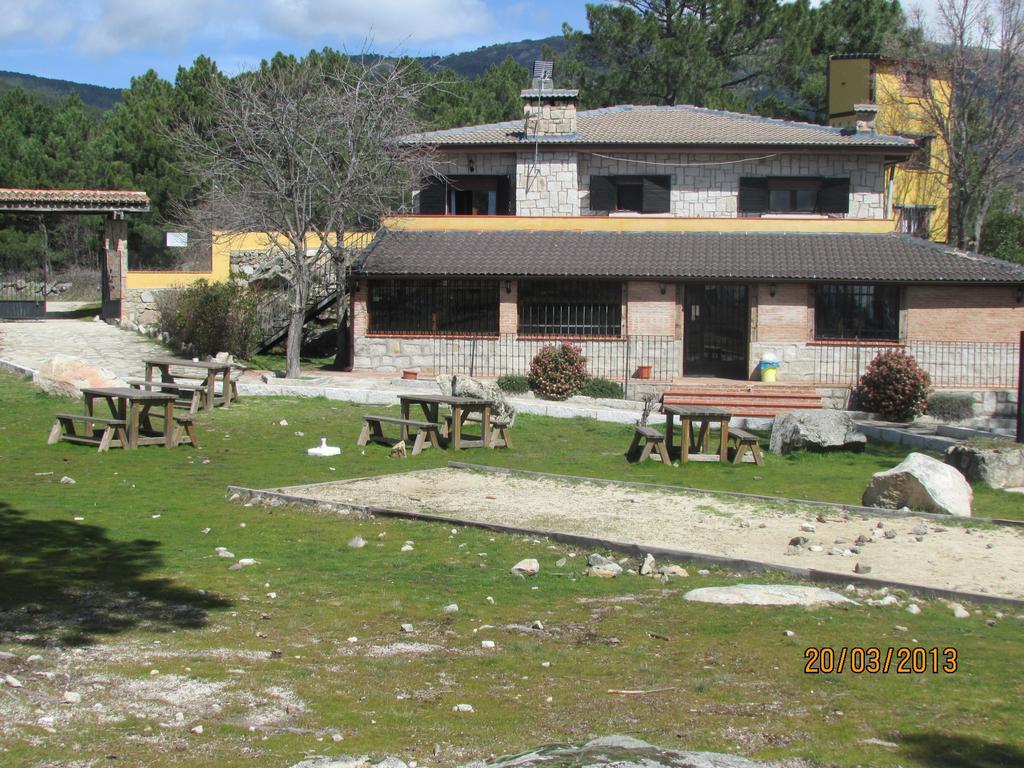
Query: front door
[[715, 330]]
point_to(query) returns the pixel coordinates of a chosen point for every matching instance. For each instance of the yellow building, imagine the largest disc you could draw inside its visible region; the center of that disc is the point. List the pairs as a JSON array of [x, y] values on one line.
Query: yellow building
[[870, 88]]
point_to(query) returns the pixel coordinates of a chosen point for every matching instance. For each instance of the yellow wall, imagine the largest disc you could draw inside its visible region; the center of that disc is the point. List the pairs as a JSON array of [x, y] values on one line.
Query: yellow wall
[[856, 81], [635, 224], [220, 260]]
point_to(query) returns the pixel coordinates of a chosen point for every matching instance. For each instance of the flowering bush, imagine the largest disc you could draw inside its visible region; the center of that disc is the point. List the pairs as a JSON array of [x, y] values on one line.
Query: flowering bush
[[894, 386], [558, 371]]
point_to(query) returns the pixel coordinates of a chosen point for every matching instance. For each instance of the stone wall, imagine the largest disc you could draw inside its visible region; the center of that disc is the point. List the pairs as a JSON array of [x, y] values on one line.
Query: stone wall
[[141, 305], [549, 187], [702, 186], [550, 117]]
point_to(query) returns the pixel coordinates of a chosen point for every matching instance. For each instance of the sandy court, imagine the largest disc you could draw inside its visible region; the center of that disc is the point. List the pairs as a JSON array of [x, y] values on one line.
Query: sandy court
[[948, 556]]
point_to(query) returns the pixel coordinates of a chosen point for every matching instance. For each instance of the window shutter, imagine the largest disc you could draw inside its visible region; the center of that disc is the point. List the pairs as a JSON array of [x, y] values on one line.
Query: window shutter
[[602, 193], [657, 194], [835, 196], [432, 196], [504, 206], [753, 195]]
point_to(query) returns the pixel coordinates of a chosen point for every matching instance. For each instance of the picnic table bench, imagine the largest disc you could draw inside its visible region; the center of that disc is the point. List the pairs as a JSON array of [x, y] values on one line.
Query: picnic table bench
[[64, 429], [651, 439], [741, 442], [373, 432], [189, 394], [209, 372]]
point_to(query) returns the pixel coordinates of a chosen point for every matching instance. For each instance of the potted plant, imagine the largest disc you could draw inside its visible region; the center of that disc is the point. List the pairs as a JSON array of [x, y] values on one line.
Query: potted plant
[[643, 371]]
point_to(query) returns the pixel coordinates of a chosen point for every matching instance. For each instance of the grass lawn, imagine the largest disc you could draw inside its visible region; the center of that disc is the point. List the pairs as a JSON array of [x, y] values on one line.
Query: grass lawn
[[132, 608]]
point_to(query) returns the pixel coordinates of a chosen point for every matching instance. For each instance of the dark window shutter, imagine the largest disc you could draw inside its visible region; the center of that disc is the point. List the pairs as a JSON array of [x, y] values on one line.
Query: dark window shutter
[[835, 196], [602, 193], [753, 195], [504, 202], [432, 196], [657, 194]]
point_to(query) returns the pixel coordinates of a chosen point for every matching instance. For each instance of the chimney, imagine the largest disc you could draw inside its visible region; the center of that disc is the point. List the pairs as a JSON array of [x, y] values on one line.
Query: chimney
[[549, 111], [864, 117]]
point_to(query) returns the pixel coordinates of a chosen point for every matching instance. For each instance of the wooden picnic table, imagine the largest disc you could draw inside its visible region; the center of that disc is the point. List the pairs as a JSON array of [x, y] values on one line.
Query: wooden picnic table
[[209, 371], [134, 405], [705, 416], [461, 408]]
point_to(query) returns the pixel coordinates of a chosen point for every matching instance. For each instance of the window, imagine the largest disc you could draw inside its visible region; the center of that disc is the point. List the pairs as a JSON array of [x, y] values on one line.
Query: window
[[467, 196], [914, 220], [921, 160], [869, 312], [642, 194], [577, 308], [793, 194], [433, 306]]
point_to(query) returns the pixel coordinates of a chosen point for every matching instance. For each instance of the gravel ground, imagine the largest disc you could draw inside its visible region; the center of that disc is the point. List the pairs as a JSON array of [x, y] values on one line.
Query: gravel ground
[[950, 557]]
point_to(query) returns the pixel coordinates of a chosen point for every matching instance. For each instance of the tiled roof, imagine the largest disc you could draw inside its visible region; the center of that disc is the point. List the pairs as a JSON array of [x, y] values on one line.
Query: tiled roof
[[682, 255], [82, 200], [680, 125]]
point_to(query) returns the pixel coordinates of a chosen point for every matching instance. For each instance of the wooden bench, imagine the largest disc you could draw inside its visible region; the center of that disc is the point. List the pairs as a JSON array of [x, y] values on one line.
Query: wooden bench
[[372, 431], [192, 402], [64, 429], [652, 439], [184, 430], [742, 441]]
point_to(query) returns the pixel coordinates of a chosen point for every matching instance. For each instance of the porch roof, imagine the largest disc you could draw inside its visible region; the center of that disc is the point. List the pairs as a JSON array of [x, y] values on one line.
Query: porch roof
[[721, 256], [73, 200]]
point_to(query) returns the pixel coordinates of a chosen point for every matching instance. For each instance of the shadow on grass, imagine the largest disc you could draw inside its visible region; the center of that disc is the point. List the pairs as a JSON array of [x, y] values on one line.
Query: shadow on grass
[[939, 749], [65, 583]]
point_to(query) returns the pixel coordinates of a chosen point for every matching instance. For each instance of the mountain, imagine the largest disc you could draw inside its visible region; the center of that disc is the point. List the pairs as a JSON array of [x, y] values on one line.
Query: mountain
[[469, 64], [51, 91], [473, 63]]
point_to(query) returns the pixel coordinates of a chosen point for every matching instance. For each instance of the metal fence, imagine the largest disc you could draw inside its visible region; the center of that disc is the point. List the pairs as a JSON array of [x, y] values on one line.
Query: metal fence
[[613, 358], [22, 296], [966, 364]]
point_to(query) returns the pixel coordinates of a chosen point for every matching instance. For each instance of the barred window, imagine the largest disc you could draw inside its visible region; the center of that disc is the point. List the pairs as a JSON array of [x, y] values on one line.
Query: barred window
[[914, 220], [570, 308], [403, 305], [846, 312]]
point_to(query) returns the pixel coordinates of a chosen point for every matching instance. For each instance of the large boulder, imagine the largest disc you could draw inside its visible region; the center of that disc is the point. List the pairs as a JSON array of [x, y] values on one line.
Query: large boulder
[[816, 430], [467, 386], [921, 482], [66, 376], [998, 463]]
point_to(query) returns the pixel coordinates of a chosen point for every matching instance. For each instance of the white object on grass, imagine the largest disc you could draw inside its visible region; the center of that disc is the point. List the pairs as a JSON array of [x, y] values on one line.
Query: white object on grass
[[324, 449]]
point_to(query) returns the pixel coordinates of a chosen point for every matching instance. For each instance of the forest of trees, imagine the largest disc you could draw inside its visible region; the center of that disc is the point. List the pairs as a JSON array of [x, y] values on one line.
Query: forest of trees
[[763, 56]]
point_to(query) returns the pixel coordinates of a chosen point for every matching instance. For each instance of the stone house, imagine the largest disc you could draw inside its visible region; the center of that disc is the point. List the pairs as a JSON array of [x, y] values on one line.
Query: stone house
[[675, 242]]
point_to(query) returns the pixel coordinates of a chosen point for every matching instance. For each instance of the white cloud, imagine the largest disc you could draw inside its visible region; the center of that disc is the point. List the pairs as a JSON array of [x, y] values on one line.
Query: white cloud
[[120, 25], [378, 21], [33, 21]]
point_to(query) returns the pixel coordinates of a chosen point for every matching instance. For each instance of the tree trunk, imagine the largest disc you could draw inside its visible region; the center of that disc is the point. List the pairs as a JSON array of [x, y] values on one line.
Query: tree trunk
[[343, 316], [297, 318]]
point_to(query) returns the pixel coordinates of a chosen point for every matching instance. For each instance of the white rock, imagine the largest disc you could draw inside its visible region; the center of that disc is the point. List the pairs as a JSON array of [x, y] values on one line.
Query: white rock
[[71, 697], [490, 600], [808, 527], [765, 594], [488, 644], [528, 567], [648, 565], [283, 422], [197, 729], [450, 609], [605, 571], [353, 639], [921, 482], [222, 552], [357, 542], [959, 611], [537, 625], [406, 548], [789, 633], [12, 681], [67, 480], [408, 629], [913, 609], [463, 708]]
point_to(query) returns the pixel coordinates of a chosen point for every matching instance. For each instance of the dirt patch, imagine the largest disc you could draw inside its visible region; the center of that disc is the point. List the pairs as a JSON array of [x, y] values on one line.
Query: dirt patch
[[949, 557]]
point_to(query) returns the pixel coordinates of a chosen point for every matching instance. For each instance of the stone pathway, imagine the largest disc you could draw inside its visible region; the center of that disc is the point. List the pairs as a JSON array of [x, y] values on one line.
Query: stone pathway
[[28, 344]]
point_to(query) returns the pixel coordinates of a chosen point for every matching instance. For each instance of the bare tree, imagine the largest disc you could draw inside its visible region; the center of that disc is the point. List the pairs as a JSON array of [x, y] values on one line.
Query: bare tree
[[304, 151], [970, 69]]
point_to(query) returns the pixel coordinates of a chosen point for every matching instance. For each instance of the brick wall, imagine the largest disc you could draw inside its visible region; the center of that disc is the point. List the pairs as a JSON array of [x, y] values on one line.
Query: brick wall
[[508, 308], [787, 316], [963, 313], [649, 312]]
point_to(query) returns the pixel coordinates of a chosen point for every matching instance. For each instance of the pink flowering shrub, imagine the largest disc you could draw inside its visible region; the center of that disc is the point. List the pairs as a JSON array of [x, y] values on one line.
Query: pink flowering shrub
[[558, 371], [894, 386]]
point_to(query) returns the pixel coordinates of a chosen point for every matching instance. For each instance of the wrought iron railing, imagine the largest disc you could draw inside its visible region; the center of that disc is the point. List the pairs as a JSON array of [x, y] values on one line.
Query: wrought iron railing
[[612, 358], [950, 364]]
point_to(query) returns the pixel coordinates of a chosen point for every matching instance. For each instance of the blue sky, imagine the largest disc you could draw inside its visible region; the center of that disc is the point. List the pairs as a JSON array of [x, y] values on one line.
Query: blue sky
[[106, 42]]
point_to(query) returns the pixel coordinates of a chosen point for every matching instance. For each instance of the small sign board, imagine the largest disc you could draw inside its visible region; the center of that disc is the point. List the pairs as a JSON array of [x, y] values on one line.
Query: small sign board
[[177, 239]]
